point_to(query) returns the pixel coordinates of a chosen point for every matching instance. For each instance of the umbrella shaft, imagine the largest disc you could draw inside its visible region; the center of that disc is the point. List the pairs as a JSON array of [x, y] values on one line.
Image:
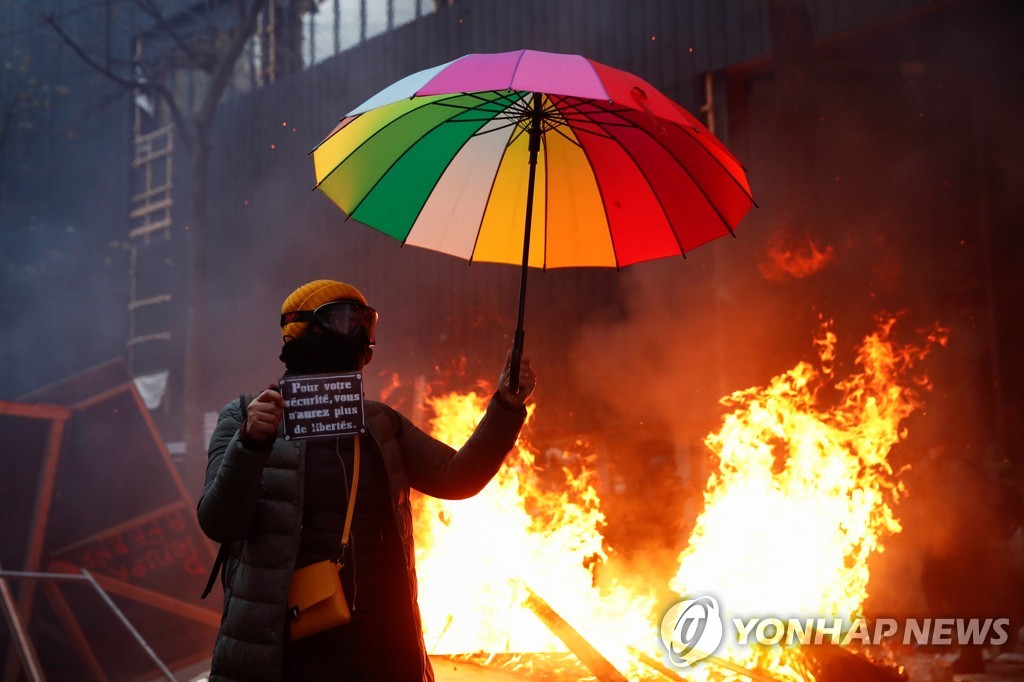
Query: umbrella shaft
[[517, 343]]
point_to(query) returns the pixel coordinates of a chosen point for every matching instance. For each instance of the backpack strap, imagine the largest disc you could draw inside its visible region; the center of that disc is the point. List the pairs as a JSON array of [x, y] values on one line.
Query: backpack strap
[[222, 554]]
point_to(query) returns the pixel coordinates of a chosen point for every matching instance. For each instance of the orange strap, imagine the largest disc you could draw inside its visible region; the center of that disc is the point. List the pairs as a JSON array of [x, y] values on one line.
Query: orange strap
[[351, 499]]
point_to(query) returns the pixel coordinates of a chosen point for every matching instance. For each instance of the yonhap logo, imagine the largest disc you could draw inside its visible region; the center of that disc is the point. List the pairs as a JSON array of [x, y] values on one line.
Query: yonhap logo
[[692, 630]]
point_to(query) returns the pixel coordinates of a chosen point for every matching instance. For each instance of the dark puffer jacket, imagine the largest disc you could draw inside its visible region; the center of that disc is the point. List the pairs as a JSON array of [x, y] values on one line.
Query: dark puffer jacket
[[253, 500]]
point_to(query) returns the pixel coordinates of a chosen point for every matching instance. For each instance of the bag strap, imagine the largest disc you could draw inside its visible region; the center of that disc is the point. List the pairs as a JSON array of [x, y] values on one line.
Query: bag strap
[[351, 502]]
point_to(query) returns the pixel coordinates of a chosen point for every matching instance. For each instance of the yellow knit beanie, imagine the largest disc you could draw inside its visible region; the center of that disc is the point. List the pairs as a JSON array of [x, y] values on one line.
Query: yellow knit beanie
[[310, 296]]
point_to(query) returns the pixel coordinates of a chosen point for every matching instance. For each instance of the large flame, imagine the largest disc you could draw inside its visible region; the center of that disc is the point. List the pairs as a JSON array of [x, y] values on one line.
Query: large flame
[[804, 491], [803, 494], [478, 559]]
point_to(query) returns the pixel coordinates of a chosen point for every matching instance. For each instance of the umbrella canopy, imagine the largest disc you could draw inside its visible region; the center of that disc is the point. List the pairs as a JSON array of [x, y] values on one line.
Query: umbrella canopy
[[439, 160], [596, 165]]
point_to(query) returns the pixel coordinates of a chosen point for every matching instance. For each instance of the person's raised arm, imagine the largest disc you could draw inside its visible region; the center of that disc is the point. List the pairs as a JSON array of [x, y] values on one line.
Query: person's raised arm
[[438, 470]]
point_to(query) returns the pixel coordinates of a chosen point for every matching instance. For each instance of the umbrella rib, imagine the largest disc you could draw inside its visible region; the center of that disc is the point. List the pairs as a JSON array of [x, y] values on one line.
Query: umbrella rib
[[604, 207], [694, 180], [394, 163], [423, 205], [585, 118], [661, 205], [603, 133], [611, 233], [495, 129], [501, 105], [490, 192], [576, 104], [511, 98], [376, 132], [696, 184], [556, 129], [513, 138], [460, 106], [689, 174], [689, 131]]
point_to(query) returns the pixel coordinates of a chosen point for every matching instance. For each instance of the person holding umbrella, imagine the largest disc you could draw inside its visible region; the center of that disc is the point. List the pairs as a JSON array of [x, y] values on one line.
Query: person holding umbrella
[[280, 505]]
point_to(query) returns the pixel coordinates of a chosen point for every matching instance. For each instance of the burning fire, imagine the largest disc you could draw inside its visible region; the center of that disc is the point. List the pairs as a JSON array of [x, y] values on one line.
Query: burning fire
[[794, 257], [803, 495], [804, 492], [478, 559]]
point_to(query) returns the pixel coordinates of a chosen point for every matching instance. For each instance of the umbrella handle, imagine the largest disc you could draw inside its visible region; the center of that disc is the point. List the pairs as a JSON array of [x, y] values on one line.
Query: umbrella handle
[[517, 343], [515, 362]]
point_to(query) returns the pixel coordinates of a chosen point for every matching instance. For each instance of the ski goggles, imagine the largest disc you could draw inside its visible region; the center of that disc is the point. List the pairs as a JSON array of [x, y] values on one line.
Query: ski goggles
[[340, 317]]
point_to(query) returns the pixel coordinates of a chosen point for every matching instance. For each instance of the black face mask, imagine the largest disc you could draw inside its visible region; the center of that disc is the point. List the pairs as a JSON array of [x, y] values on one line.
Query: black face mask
[[314, 353]]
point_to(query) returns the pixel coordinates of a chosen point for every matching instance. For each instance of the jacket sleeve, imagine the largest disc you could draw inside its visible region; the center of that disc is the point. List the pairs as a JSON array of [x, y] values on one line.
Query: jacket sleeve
[[436, 469], [234, 476]]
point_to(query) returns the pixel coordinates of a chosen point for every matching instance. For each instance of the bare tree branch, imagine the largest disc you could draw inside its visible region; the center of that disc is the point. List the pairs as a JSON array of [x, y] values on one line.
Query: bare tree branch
[[155, 88], [226, 66], [161, 21]]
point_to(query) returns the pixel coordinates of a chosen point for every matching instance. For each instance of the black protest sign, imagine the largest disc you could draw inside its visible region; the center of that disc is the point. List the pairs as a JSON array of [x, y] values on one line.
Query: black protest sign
[[322, 405]]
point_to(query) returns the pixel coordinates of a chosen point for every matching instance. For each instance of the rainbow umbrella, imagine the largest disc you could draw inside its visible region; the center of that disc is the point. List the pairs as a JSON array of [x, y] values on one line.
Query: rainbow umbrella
[[536, 159]]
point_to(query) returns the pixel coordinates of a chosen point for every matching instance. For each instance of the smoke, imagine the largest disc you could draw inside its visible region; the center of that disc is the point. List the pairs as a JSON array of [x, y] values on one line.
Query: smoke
[[59, 310]]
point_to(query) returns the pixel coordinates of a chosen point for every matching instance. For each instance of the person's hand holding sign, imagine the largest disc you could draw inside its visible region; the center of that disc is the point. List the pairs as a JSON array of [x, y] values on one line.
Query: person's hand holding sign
[[527, 382], [263, 415]]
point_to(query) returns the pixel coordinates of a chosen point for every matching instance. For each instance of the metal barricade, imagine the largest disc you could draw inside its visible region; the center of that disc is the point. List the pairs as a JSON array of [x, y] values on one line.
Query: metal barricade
[[21, 640]]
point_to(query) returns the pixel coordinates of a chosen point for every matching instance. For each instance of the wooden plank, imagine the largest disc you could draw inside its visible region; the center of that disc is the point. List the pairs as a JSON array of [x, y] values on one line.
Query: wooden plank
[[162, 448], [34, 410], [100, 397], [123, 526], [596, 663], [37, 526]]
